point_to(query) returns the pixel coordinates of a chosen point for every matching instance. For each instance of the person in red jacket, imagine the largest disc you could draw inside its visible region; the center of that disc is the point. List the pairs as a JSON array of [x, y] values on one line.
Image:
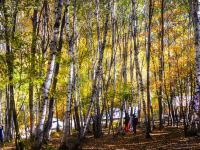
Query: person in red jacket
[[126, 122]]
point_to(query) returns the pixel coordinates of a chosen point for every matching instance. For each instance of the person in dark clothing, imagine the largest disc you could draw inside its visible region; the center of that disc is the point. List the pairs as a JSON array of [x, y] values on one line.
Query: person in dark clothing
[[1, 134], [134, 123], [127, 119]]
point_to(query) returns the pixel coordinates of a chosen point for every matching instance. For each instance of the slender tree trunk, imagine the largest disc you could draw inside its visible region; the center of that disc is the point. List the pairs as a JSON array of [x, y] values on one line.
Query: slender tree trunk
[[8, 120], [57, 121], [9, 37], [161, 68], [122, 104], [97, 132], [71, 40], [49, 75], [196, 23], [196, 19], [97, 117], [172, 107], [132, 77], [70, 75], [140, 81], [98, 70], [114, 53], [32, 68], [76, 77], [169, 110], [106, 85], [152, 115], [48, 124], [77, 105], [25, 122], [37, 105], [14, 115], [124, 67], [148, 66]]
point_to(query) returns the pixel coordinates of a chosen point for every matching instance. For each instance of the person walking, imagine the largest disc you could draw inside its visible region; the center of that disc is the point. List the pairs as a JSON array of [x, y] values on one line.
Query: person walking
[[127, 125], [134, 123], [1, 134]]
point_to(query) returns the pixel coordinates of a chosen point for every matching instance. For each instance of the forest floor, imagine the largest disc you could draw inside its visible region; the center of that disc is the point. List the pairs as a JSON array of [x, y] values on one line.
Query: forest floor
[[169, 138]]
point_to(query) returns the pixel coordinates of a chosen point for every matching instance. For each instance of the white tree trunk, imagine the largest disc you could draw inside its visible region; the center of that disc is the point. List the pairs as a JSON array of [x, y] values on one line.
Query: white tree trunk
[[25, 122], [70, 40], [196, 20], [49, 76], [136, 59], [114, 57], [99, 65]]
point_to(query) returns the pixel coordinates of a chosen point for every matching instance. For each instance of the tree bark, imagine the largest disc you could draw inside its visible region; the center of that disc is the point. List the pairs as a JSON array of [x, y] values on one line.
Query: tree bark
[[8, 135], [25, 122], [196, 23], [113, 53], [136, 52], [98, 70], [71, 40], [148, 65], [9, 37], [32, 68], [70, 76], [161, 67], [49, 75], [48, 123]]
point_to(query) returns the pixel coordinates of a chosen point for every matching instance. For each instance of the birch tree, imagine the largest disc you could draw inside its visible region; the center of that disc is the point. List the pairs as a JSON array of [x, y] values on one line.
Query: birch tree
[[148, 63], [53, 91], [160, 96], [196, 23], [114, 57], [136, 52], [32, 67], [77, 98], [49, 75], [9, 38], [101, 46], [71, 38]]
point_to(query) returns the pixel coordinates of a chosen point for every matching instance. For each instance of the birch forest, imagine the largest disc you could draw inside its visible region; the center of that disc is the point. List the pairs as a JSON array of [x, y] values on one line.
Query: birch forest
[[99, 74]]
